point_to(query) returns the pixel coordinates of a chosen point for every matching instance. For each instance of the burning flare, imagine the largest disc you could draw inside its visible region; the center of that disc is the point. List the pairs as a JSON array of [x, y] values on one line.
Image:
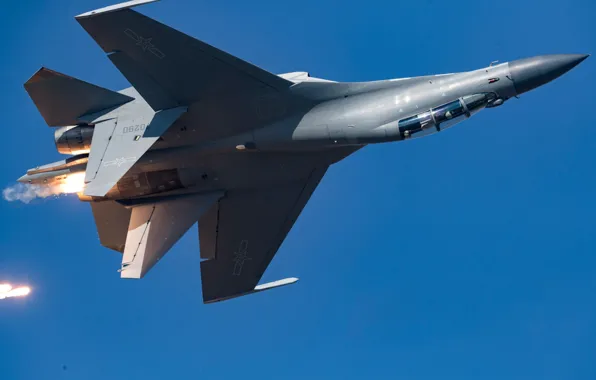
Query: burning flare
[[74, 183], [7, 291], [26, 192]]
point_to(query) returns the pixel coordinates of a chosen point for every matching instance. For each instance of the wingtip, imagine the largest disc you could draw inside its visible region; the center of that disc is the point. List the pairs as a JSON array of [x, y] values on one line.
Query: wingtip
[[276, 284], [114, 8], [38, 75]]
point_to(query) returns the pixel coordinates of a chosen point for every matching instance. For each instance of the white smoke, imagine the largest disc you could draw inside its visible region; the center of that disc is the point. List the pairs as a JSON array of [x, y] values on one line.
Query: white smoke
[[26, 193]]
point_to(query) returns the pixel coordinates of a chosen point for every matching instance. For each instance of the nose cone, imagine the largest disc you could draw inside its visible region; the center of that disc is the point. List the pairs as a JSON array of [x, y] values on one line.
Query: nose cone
[[24, 179], [529, 73]]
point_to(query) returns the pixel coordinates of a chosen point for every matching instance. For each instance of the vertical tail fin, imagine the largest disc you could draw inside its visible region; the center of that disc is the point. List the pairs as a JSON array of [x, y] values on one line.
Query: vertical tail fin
[[112, 220], [61, 99]]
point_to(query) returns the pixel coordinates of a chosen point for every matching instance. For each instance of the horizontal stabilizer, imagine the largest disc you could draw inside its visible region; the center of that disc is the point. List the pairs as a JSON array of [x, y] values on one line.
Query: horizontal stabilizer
[[62, 99]]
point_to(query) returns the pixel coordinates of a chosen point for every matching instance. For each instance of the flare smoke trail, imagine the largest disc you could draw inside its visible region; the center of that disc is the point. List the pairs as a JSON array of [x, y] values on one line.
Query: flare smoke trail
[[26, 193]]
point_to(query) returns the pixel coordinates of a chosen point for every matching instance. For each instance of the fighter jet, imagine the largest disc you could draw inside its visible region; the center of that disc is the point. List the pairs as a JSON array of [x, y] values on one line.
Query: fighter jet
[[203, 136]]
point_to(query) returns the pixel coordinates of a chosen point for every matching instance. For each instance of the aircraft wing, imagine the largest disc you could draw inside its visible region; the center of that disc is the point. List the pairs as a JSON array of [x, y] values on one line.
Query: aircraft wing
[[240, 229], [241, 233], [170, 68]]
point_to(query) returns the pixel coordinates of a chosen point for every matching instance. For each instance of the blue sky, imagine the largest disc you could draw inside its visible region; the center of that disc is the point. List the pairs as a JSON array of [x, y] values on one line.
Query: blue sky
[[466, 255]]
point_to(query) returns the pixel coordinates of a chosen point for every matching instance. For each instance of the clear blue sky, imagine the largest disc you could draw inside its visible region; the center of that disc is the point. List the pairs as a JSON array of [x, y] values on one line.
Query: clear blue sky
[[466, 255]]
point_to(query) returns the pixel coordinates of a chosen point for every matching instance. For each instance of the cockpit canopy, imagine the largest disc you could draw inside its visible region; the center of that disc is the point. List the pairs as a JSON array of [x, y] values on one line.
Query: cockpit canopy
[[444, 116]]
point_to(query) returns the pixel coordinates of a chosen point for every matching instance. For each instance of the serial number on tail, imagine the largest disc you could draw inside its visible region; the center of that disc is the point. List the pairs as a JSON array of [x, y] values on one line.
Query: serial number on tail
[[134, 128]]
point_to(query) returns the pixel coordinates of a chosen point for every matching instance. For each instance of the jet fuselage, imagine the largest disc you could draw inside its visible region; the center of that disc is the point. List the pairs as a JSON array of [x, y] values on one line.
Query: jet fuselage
[[329, 116]]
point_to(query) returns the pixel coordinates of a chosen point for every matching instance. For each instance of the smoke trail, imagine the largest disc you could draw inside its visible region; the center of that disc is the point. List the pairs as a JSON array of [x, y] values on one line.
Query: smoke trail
[[26, 193]]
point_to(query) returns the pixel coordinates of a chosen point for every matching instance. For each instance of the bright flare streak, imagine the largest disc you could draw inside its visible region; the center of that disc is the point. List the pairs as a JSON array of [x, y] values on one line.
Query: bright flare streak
[[20, 292], [74, 183], [6, 291]]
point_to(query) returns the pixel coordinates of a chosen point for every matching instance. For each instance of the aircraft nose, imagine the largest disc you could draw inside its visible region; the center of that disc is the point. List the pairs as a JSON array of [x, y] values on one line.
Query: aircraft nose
[[529, 73]]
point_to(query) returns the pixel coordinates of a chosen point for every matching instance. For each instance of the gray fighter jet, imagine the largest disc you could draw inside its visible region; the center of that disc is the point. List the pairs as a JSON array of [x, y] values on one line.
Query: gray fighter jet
[[204, 136]]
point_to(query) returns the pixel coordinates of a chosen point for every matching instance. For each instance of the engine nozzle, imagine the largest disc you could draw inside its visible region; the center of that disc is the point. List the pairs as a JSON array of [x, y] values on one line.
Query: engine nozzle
[[75, 139]]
